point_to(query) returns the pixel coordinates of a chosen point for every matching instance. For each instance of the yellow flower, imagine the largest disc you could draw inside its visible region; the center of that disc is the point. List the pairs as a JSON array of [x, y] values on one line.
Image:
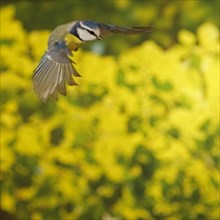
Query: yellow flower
[[8, 201], [186, 37], [38, 43], [27, 141], [25, 194], [208, 36]]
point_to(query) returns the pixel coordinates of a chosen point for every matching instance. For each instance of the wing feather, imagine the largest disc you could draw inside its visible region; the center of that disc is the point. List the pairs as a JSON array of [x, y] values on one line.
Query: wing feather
[[50, 90], [73, 70], [61, 81], [54, 71], [68, 75], [106, 29], [41, 77]]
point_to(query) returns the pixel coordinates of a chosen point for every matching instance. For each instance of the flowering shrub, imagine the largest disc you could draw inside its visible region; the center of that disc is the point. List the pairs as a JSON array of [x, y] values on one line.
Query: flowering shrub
[[138, 139]]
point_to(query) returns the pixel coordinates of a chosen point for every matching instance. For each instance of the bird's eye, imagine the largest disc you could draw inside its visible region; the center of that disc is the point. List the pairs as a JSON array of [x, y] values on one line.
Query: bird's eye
[[92, 33]]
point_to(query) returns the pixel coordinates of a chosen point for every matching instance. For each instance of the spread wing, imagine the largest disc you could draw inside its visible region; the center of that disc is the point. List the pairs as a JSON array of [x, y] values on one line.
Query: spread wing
[[54, 71], [106, 29]]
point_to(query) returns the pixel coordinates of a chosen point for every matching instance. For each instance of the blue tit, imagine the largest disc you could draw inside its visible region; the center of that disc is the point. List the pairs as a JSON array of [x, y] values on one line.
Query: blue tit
[[56, 69]]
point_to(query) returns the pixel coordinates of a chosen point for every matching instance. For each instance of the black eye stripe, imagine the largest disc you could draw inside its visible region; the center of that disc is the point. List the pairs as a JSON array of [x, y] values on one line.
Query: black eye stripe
[[91, 32]]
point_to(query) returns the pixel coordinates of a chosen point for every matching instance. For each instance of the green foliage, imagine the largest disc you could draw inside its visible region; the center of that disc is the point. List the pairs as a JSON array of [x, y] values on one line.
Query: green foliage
[[138, 139]]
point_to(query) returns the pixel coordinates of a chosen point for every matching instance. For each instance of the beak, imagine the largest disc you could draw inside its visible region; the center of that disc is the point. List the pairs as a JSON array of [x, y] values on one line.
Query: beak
[[100, 37]]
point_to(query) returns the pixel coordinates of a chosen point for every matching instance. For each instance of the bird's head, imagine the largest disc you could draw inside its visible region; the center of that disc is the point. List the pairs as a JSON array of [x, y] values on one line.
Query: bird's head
[[86, 31]]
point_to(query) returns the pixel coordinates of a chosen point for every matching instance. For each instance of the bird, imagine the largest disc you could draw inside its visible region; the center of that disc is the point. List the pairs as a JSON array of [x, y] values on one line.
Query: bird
[[56, 67]]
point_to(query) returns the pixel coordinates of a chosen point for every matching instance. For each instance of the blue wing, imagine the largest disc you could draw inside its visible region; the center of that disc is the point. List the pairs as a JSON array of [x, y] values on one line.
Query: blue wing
[[106, 29]]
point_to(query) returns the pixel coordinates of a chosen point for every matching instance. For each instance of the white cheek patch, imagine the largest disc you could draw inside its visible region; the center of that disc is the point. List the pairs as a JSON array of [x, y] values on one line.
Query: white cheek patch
[[95, 29], [85, 35]]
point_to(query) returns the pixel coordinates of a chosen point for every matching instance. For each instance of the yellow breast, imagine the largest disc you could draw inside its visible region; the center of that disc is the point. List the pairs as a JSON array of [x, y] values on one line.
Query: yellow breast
[[72, 42]]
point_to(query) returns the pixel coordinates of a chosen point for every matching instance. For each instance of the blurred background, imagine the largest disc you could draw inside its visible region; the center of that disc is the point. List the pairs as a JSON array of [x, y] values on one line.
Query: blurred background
[[137, 139]]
